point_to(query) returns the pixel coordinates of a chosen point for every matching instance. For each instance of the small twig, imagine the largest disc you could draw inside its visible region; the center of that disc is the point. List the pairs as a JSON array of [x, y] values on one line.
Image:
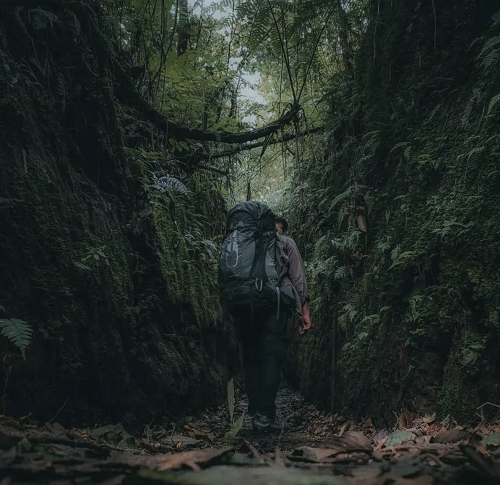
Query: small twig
[[434, 458], [313, 54], [253, 450], [489, 404], [435, 24], [58, 412], [342, 430], [284, 50], [397, 420]]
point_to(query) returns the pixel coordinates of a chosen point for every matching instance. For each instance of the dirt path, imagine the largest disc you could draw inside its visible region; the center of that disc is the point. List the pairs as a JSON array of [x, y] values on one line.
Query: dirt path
[[312, 449]]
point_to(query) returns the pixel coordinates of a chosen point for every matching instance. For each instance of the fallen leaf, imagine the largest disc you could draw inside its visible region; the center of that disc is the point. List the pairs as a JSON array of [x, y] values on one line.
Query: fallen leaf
[[313, 455], [184, 440], [191, 459], [197, 431], [451, 436], [492, 440], [349, 443], [399, 437], [423, 440], [435, 429], [116, 428]]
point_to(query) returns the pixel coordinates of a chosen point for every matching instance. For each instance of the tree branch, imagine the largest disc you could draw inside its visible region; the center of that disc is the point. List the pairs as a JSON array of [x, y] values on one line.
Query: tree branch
[[132, 98], [250, 146], [129, 95]]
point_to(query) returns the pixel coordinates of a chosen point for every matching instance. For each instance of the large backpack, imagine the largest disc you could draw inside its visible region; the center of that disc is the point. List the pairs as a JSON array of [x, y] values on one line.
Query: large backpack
[[251, 275]]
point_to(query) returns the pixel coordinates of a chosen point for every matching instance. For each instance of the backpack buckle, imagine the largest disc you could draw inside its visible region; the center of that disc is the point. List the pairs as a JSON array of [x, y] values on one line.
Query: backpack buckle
[[257, 281]]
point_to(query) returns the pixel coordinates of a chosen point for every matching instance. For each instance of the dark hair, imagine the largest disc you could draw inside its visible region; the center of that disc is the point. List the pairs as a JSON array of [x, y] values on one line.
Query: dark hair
[[282, 221]]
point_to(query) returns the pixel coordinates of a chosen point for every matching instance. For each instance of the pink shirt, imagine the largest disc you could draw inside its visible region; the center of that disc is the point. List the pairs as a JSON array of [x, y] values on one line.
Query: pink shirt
[[295, 268]]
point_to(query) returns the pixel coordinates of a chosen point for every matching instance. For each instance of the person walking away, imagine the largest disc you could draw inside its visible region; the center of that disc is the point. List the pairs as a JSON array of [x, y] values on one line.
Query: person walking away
[[256, 288]]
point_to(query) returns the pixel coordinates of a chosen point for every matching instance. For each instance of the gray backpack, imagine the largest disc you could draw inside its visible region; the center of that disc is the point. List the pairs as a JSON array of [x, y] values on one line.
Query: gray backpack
[[251, 275]]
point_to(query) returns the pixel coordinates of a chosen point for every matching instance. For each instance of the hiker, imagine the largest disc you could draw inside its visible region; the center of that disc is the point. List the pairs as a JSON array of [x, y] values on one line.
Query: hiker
[[257, 274]]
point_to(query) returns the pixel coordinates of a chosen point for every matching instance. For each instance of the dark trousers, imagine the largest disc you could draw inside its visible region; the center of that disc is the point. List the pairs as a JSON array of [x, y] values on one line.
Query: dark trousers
[[264, 343]]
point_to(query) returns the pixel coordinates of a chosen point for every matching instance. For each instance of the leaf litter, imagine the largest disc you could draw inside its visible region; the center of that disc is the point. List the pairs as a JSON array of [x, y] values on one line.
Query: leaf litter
[[313, 448]]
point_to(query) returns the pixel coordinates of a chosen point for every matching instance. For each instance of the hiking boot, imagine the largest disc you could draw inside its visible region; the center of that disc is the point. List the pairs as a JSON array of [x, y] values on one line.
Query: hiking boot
[[261, 422]]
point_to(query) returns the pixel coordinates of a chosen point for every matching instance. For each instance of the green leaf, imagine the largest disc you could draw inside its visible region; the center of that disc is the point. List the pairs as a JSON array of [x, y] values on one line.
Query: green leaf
[[18, 332], [492, 439], [235, 429], [399, 437], [82, 266]]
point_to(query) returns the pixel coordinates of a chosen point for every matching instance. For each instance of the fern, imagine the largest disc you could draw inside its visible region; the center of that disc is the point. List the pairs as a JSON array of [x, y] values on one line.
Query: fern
[[493, 102], [399, 145], [43, 18], [170, 184], [341, 273], [490, 44], [18, 332], [490, 59]]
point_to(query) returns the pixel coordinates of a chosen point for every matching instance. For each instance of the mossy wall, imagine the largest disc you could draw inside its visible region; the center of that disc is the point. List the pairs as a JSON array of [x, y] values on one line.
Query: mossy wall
[[124, 311], [415, 300]]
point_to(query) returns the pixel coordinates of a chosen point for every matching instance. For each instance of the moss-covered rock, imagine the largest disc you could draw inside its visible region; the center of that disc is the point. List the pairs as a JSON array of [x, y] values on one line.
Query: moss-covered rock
[[415, 299], [123, 304]]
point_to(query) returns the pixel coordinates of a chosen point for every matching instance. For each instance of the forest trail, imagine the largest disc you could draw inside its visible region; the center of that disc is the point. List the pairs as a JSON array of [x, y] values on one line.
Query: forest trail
[[313, 449]]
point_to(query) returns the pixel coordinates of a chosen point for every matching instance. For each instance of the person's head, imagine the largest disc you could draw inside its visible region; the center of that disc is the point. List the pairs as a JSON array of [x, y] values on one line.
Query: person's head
[[281, 225]]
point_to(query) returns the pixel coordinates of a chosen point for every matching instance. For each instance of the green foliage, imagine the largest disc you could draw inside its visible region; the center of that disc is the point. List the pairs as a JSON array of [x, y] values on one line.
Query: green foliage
[[418, 291], [93, 258], [18, 332], [235, 428]]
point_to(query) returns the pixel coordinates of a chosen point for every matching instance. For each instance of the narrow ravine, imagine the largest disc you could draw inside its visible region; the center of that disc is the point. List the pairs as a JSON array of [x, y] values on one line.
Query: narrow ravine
[[129, 129]]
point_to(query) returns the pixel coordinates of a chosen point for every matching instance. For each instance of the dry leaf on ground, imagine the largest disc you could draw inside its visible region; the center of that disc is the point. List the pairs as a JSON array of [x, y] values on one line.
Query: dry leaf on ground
[[354, 441], [190, 459], [451, 436], [399, 437]]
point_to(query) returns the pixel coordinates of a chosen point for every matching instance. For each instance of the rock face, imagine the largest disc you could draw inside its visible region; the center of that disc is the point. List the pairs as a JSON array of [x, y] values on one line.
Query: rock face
[[123, 304], [403, 241]]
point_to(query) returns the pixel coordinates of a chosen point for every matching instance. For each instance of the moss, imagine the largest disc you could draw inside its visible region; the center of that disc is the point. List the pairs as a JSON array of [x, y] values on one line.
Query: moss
[[121, 338], [417, 297]]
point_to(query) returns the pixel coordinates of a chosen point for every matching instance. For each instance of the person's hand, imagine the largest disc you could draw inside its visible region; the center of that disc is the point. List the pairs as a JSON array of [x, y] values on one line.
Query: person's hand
[[305, 323]]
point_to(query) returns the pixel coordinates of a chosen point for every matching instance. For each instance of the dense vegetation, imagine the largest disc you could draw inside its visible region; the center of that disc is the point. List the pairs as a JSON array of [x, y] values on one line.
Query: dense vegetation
[[127, 127], [399, 219]]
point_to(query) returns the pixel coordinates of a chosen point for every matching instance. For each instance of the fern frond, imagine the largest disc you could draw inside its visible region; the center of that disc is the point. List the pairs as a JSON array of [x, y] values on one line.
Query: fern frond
[[490, 59], [490, 44], [493, 102], [43, 18], [399, 145], [18, 332], [170, 184]]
